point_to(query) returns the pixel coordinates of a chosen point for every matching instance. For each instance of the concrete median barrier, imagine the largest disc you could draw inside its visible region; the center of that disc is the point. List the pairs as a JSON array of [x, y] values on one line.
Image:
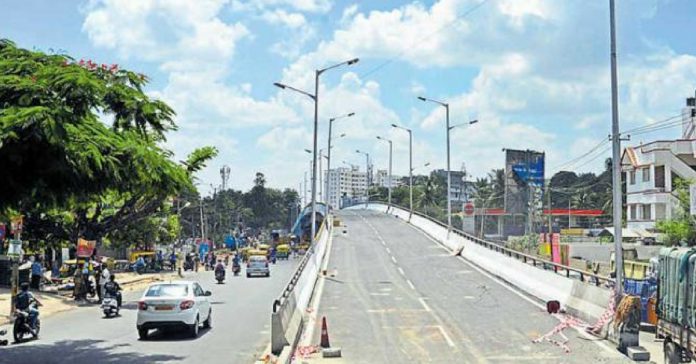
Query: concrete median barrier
[[288, 316]]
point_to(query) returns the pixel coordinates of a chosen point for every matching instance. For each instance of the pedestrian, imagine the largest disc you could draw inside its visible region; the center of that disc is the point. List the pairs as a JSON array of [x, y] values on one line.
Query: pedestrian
[[85, 280], [97, 282], [36, 273]]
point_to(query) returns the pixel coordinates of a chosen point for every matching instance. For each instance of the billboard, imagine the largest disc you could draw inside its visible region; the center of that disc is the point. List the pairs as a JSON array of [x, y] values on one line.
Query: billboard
[[524, 174]]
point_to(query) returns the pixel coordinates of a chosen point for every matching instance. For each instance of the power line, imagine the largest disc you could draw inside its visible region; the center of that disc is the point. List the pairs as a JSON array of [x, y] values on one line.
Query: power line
[[420, 40]]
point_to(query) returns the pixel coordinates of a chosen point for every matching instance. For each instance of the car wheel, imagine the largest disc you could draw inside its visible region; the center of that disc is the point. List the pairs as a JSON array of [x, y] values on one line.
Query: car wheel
[[248, 275], [671, 353], [208, 323], [268, 275], [142, 334], [193, 330]]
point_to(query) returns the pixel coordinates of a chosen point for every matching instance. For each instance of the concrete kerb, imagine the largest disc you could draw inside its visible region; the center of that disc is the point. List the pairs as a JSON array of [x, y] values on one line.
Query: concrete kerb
[[583, 300]]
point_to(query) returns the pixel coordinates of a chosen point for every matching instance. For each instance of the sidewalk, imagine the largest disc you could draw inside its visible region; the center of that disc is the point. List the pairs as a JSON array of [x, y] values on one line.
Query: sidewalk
[[60, 301]]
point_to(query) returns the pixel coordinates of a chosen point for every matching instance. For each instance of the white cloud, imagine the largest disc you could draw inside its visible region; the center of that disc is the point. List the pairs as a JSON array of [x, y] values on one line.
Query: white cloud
[[310, 6], [279, 16]]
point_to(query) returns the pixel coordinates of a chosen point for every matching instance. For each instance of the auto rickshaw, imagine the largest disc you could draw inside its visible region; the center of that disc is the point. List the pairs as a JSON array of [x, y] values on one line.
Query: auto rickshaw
[[264, 248], [67, 269], [283, 251], [302, 248]]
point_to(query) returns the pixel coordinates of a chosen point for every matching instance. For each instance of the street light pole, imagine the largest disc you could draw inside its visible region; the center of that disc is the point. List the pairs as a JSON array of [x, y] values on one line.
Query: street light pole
[[390, 168], [410, 168], [315, 97], [328, 160]]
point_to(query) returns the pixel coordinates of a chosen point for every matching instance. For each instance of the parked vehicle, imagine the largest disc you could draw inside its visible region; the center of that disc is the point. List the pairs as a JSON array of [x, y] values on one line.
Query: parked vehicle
[[676, 301], [178, 304], [258, 265], [22, 328]]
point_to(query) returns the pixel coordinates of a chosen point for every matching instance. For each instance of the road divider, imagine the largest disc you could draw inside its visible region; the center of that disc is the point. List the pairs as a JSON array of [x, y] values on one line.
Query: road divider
[[288, 316]]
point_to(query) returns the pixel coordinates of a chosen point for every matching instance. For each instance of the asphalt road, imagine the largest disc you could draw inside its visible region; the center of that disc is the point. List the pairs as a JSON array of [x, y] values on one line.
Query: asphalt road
[[241, 317], [399, 297]]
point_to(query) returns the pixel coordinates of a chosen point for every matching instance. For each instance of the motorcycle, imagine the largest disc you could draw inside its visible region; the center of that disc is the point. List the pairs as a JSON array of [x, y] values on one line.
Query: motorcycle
[[236, 268], [3, 342], [219, 275], [22, 328], [110, 306]]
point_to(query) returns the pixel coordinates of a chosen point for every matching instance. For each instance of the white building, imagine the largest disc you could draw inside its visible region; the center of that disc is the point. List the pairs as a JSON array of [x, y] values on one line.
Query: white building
[[382, 179], [348, 182], [651, 170]]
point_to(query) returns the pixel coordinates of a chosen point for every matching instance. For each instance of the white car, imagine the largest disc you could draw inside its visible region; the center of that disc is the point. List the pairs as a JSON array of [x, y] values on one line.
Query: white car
[[174, 304]]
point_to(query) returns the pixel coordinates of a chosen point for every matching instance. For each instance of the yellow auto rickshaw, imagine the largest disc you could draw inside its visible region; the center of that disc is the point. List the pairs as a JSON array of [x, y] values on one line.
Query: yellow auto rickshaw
[[146, 254], [283, 251]]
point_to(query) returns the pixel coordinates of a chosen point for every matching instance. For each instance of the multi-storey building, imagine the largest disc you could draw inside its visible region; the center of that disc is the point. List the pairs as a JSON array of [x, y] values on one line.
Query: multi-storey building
[[652, 170], [346, 182]]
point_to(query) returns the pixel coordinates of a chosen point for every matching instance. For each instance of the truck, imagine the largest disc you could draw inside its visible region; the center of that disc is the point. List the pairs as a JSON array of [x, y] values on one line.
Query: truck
[[676, 303]]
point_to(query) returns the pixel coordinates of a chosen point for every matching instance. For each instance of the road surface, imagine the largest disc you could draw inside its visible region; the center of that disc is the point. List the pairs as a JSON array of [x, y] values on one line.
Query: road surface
[[399, 297], [241, 317]]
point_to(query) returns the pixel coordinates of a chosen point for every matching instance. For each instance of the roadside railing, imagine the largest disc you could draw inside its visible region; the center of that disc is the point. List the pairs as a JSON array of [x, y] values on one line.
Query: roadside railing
[[290, 286], [569, 272]]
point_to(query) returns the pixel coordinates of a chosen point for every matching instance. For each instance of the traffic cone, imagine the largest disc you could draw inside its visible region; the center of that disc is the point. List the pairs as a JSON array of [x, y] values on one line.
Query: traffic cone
[[324, 334]]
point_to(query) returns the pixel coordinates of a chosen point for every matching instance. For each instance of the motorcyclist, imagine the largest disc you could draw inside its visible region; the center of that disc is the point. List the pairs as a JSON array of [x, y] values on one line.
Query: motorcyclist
[[139, 264], [23, 302], [113, 289], [219, 266]]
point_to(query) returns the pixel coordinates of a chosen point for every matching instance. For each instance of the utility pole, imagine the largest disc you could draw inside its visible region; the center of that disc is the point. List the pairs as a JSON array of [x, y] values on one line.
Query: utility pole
[[616, 156]]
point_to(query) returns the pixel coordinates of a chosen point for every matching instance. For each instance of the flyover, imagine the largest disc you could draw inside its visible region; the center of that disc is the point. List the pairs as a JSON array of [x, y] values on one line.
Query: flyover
[[395, 294]]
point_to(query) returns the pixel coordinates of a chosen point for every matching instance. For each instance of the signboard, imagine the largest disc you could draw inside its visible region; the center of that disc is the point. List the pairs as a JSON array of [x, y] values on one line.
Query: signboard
[[15, 248], [692, 198], [3, 232], [85, 248], [64, 254], [524, 169], [468, 209]]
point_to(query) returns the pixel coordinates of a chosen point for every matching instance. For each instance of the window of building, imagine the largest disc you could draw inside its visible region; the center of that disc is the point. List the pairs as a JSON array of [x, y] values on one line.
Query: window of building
[[632, 177], [632, 212], [646, 174], [646, 212]]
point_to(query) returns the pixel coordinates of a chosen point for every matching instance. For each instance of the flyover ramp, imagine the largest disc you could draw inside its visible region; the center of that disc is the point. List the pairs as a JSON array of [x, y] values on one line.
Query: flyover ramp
[[398, 296]]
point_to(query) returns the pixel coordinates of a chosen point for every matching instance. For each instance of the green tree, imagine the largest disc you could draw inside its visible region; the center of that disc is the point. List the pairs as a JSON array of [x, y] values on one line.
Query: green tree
[[681, 228], [68, 172]]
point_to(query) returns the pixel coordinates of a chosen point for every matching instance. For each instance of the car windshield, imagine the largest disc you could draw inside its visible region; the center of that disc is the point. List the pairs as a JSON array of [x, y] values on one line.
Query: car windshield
[[257, 259], [167, 290]]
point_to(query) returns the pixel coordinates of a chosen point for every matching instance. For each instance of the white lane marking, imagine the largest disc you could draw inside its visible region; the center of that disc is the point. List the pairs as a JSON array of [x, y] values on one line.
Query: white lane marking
[[514, 290], [401, 270], [393, 259], [446, 336], [388, 250], [379, 294], [383, 243], [410, 284], [425, 305]]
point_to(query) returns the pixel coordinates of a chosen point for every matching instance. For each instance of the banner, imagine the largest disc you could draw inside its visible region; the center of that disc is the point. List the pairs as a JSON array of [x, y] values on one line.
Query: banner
[[556, 248], [3, 232], [85, 248], [16, 225]]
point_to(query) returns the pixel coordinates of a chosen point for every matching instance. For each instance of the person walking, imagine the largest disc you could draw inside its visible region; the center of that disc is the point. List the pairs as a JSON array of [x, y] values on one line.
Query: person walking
[[36, 273]]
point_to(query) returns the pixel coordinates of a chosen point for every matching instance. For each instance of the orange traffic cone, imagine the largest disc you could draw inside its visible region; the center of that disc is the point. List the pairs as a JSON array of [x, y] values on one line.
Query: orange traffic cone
[[324, 334]]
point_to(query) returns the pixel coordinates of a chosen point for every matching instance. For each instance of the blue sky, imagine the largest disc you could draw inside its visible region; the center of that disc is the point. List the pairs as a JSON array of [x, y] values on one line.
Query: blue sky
[[534, 72]]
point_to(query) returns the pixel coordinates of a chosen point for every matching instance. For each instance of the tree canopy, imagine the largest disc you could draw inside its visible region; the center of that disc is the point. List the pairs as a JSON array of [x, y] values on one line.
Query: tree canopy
[[80, 146]]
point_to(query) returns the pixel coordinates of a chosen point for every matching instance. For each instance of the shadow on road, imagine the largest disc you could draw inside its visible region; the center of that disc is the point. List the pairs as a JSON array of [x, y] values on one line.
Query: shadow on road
[[175, 335], [78, 351]]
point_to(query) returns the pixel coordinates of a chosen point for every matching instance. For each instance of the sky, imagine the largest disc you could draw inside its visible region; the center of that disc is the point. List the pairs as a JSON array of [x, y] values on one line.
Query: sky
[[535, 73]]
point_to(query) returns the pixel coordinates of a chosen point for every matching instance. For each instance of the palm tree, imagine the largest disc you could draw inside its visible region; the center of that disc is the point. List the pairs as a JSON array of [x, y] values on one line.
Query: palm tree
[[429, 194]]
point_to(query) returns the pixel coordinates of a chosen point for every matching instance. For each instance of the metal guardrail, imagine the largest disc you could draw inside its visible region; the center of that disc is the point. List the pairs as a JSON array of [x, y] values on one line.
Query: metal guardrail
[[298, 272], [541, 263]]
